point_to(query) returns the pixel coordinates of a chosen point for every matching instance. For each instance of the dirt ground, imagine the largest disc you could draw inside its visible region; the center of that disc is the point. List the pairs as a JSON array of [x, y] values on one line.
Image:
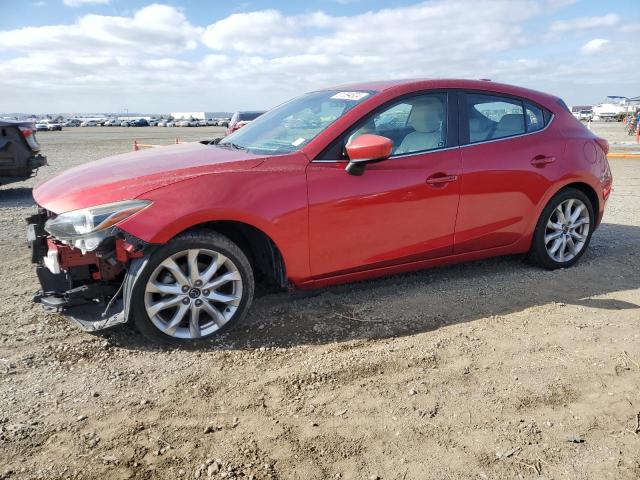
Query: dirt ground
[[487, 370]]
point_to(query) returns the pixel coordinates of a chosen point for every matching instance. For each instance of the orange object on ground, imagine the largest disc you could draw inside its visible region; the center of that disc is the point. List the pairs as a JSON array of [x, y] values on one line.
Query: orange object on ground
[[623, 155], [137, 146]]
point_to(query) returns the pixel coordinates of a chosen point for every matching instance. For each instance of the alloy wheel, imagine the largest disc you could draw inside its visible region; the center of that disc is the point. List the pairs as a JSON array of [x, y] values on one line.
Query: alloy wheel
[[193, 293], [567, 230]]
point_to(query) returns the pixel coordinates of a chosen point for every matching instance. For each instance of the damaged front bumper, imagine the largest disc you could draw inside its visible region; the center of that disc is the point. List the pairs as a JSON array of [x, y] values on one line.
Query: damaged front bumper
[[92, 290]]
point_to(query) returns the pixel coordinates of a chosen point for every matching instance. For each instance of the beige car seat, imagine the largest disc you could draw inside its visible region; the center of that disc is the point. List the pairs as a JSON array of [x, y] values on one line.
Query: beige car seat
[[426, 119]]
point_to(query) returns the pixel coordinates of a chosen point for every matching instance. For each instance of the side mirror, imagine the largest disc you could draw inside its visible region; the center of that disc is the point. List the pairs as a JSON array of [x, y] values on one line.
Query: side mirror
[[365, 149]]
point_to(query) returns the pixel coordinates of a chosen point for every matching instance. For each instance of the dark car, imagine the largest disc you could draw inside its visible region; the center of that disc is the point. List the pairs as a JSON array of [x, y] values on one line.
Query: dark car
[[19, 151], [240, 119], [140, 122]]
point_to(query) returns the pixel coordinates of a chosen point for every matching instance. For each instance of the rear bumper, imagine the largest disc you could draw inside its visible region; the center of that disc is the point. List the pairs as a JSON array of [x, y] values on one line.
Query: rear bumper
[[37, 161], [21, 169]]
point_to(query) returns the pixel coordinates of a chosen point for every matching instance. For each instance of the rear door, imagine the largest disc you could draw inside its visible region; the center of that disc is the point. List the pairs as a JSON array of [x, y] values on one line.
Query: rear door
[[400, 210], [509, 160]]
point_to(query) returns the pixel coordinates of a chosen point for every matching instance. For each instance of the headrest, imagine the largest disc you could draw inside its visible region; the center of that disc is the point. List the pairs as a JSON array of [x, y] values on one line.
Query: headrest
[[510, 124], [426, 115]]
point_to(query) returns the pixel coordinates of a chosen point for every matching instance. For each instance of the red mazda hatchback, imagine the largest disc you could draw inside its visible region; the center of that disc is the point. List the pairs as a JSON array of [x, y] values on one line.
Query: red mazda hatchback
[[344, 184]]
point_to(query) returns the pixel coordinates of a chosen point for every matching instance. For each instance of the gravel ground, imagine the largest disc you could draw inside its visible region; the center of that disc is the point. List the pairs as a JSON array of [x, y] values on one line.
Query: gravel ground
[[492, 369]]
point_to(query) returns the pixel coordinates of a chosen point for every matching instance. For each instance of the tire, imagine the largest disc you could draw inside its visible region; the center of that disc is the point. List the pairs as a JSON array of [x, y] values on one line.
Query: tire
[[551, 224], [159, 298]]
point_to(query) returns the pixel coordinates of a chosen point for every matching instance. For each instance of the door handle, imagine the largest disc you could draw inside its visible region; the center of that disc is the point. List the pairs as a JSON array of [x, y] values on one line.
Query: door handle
[[542, 160], [440, 179]]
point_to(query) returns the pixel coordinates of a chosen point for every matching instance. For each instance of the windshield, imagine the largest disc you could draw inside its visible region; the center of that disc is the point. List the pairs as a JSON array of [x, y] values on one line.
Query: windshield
[[292, 125]]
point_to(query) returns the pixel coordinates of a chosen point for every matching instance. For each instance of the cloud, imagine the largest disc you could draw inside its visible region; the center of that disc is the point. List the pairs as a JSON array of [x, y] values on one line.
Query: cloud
[[153, 29], [585, 23], [594, 46], [632, 27], [157, 60], [557, 4], [79, 3], [443, 27]]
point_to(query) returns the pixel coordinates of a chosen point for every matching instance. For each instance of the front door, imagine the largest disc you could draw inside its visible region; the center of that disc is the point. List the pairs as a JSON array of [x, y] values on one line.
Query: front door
[[400, 210]]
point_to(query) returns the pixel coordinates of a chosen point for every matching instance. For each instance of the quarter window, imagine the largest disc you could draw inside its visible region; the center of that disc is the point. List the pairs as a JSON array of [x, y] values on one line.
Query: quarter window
[[534, 118], [414, 124]]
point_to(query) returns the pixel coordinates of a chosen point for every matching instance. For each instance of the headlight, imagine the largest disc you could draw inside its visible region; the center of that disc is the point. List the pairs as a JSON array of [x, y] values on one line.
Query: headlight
[[87, 227]]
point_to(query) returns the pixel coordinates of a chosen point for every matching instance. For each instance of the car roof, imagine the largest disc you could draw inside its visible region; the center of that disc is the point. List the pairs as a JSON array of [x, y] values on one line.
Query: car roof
[[410, 85]]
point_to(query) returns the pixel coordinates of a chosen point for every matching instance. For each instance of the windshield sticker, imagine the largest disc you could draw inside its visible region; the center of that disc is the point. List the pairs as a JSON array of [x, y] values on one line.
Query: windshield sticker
[[298, 142], [350, 96]]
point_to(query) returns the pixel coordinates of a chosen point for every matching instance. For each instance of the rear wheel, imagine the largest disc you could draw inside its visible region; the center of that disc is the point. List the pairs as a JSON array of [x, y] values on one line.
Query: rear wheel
[[563, 231], [193, 288]]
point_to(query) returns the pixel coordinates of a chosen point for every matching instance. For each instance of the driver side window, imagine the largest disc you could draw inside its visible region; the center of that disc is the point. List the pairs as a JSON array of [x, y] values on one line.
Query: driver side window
[[414, 124]]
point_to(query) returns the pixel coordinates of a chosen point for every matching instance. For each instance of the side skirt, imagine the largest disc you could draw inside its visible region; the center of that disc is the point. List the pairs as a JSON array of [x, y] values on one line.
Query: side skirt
[[522, 246]]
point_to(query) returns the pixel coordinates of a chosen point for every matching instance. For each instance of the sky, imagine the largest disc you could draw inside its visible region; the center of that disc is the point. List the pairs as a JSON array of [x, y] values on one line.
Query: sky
[[213, 55]]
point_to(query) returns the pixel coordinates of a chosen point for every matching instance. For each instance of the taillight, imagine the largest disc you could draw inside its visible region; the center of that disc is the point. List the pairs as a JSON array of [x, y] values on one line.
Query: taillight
[[604, 144], [26, 131], [30, 136]]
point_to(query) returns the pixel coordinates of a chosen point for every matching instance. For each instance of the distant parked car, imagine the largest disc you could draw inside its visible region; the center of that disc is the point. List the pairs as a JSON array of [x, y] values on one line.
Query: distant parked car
[[585, 115], [74, 122], [171, 123], [192, 122], [202, 123], [162, 123], [153, 123], [89, 123], [140, 122], [240, 119], [19, 151], [112, 122], [47, 126], [125, 123], [211, 122]]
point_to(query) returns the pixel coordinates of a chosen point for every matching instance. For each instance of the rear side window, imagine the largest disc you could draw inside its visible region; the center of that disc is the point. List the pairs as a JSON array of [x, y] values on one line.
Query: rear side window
[[493, 117]]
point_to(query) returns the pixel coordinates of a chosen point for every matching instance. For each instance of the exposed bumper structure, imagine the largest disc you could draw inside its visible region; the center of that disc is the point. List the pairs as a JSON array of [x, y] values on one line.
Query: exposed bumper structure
[[92, 290]]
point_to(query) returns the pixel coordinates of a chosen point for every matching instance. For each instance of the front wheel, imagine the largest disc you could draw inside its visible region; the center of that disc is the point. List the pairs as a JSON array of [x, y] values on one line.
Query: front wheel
[[563, 231], [193, 288]]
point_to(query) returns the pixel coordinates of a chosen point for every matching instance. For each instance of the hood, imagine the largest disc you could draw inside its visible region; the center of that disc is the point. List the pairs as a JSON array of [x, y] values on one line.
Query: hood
[[127, 176]]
